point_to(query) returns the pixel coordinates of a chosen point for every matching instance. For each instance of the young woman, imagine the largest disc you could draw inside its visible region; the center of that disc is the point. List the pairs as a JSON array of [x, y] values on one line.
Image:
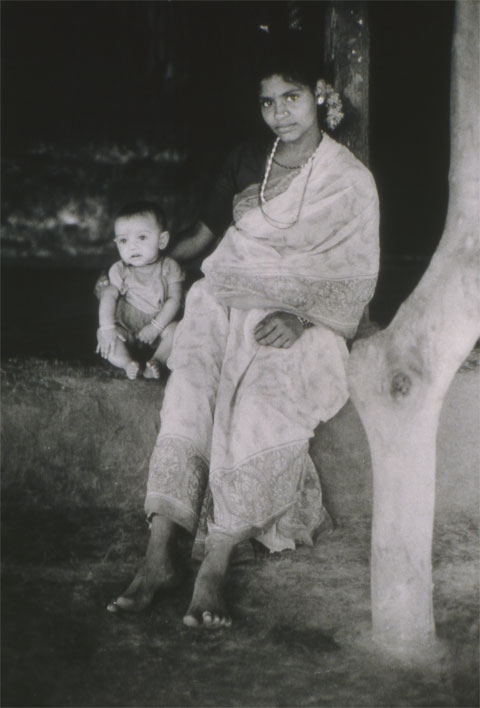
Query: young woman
[[260, 356]]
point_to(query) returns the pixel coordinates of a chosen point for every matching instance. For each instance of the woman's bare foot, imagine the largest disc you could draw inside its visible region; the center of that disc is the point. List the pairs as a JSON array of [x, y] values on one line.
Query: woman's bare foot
[[208, 608], [156, 573]]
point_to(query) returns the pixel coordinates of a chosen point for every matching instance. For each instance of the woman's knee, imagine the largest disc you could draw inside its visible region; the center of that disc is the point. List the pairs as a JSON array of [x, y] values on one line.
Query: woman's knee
[[201, 296]]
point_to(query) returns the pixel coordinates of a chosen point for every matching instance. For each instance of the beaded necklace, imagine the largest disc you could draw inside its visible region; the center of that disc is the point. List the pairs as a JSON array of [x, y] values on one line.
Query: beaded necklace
[[288, 167], [276, 223]]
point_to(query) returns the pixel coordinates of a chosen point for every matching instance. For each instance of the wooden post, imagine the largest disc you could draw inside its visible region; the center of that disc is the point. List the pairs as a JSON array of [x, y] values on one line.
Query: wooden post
[[399, 377], [347, 59]]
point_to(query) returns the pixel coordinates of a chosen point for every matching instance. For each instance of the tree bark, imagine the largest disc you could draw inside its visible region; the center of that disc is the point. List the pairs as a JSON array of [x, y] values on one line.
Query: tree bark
[[347, 58], [399, 377]]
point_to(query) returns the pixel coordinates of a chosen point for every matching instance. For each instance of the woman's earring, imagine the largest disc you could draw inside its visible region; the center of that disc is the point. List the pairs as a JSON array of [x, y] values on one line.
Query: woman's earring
[[320, 100]]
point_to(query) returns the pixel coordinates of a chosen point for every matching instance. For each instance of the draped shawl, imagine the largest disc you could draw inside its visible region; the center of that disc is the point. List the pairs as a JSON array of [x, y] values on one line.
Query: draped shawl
[[237, 416], [324, 266]]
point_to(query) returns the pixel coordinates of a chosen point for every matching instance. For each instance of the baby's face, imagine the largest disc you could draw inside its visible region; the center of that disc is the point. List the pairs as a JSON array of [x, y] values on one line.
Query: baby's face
[[138, 239]]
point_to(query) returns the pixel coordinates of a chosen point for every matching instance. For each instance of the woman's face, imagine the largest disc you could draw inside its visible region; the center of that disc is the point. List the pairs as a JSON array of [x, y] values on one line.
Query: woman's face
[[289, 108]]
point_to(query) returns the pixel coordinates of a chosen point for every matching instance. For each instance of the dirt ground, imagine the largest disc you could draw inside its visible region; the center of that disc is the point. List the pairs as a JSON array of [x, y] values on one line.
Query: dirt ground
[[73, 531]]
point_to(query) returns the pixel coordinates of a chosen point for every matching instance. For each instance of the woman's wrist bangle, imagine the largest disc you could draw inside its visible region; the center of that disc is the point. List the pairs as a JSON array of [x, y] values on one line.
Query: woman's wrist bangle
[[156, 325], [106, 328], [305, 323]]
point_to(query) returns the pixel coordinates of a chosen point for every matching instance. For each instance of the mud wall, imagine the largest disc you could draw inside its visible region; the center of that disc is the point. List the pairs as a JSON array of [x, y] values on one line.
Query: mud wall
[[82, 437]]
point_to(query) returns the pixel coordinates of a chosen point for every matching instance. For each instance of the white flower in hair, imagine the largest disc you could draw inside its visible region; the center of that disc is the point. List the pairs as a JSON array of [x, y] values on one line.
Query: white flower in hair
[[333, 103]]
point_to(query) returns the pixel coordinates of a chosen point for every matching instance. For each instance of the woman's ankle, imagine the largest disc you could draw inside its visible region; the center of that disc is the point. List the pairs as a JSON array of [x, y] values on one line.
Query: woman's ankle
[[161, 525], [218, 553]]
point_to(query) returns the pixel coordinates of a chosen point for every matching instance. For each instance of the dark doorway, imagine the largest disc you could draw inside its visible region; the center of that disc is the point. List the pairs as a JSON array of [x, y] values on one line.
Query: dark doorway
[[409, 139], [176, 75]]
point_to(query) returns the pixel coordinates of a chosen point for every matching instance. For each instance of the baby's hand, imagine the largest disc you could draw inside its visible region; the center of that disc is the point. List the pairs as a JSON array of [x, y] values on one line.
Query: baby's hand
[[106, 339], [148, 334]]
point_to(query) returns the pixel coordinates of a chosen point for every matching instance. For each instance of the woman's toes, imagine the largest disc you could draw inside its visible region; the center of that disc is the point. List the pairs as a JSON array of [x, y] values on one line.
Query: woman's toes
[[221, 621], [124, 603], [207, 618], [190, 621], [128, 604], [213, 620], [121, 604]]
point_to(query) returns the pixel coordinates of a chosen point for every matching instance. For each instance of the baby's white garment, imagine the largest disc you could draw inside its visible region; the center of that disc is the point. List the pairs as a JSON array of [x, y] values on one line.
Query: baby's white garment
[[146, 294]]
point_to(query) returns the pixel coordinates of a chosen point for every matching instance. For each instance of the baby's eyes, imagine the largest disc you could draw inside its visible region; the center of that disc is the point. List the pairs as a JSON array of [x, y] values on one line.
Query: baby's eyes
[[266, 103], [140, 237], [292, 97]]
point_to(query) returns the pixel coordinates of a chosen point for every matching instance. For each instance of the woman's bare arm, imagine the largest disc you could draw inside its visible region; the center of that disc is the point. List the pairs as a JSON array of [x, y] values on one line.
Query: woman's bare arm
[[193, 245]]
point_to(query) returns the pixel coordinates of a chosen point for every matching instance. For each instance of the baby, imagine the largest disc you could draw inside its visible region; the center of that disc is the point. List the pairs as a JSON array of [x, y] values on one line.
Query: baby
[[143, 295]]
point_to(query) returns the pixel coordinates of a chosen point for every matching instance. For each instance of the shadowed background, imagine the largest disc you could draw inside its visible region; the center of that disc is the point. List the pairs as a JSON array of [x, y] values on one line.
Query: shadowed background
[[107, 101]]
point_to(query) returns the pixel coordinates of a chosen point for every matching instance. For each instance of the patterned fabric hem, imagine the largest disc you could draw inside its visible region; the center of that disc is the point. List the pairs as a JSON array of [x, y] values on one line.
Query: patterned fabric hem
[[336, 302], [171, 509], [179, 474], [246, 532]]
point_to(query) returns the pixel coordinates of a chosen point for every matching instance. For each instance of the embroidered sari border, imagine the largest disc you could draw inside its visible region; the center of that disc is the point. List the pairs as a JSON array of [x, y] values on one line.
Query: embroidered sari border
[[247, 531], [183, 438], [274, 448]]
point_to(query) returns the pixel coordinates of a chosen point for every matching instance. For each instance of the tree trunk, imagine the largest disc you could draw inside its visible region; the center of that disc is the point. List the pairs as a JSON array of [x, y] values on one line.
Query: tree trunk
[[399, 377], [347, 58], [347, 61]]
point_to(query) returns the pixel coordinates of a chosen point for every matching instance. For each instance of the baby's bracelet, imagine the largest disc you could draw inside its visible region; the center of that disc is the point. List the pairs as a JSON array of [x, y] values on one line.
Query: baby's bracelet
[[106, 328], [156, 325], [305, 323]]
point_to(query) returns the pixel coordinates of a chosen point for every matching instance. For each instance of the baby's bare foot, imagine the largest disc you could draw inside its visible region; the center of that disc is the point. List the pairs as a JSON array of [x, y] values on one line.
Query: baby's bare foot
[[132, 370], [152, 369]]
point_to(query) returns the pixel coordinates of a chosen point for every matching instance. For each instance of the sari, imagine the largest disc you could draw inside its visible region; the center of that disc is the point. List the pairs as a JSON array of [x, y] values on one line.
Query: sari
[[237, 416]]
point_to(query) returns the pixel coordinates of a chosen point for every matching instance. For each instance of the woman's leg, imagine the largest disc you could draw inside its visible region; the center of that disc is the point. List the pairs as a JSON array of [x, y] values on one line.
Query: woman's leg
[[158, 572], [208, 606], [178, 474], [262, 479]]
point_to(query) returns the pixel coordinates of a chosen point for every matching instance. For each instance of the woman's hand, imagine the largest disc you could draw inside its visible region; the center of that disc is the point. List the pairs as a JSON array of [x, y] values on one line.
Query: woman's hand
[[278, 329], [102, 283], [148, 334]]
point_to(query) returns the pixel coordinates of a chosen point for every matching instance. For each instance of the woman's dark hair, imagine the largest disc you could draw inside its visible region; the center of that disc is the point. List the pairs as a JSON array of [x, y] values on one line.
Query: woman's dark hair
[[144, 207], [290, 56]]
